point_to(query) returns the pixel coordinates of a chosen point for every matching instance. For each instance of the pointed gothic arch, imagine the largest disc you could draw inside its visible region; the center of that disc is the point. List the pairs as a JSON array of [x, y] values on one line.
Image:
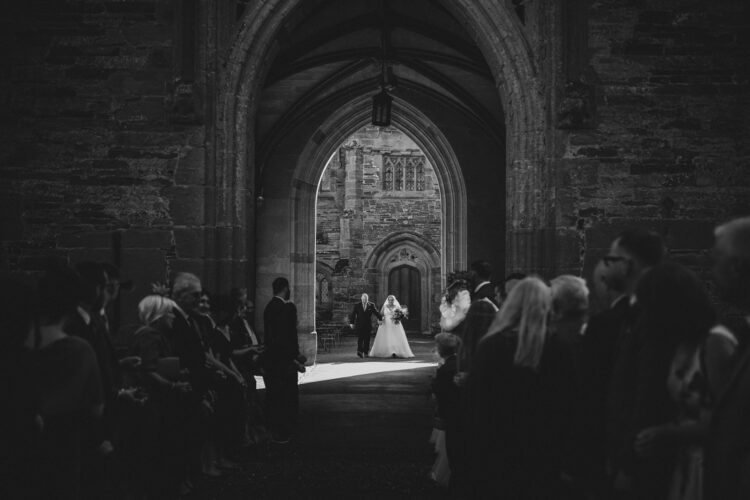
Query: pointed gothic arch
[[302, 197], [530, 200]]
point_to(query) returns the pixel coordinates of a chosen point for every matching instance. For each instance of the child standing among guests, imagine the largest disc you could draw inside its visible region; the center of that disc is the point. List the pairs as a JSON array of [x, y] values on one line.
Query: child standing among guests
[[448, 400]]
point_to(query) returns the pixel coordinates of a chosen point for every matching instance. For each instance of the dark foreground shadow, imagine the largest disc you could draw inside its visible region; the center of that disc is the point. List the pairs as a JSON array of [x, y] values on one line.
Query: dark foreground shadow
[[361, 436]]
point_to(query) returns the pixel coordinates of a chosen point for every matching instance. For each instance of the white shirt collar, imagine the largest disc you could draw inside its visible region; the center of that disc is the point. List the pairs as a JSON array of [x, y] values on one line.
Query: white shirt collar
[[485, 299], [250, 331], [481, 285], [617, 301], [85, 316]]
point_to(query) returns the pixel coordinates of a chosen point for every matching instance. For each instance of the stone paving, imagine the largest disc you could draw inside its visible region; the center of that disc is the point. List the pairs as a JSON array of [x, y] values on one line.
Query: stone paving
[[365, 426]]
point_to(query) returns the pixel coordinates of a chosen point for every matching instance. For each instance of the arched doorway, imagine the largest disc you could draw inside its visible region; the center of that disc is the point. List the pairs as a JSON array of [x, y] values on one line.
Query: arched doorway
[[411, 250], [405, 283]]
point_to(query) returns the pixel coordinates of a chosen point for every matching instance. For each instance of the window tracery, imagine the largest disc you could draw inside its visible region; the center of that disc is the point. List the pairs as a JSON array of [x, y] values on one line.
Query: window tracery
[[403, 173], [388, 178]]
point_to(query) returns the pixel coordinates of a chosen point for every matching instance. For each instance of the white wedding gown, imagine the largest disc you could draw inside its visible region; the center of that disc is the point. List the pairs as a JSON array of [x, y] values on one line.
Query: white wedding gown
[[390, 339]]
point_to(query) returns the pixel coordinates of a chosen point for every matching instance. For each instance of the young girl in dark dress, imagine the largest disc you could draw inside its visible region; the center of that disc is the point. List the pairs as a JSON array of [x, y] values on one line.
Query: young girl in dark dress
[[448, 406]]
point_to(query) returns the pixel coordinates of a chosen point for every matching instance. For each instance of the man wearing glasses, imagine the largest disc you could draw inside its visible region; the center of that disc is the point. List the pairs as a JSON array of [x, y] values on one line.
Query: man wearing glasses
[[608, 350], [728, 450]]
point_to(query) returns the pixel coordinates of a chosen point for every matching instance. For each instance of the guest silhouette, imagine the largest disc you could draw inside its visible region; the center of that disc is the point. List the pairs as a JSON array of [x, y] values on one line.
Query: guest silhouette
[[282, 362]]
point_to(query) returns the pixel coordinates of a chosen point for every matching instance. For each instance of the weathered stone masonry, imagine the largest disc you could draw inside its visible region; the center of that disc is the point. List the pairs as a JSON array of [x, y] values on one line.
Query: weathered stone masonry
[[355, 214], [665, 140], [117, 142]]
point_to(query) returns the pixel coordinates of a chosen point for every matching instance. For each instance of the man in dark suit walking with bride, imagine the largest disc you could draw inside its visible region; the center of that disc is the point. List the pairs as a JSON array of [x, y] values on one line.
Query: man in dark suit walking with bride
[[360, 320]]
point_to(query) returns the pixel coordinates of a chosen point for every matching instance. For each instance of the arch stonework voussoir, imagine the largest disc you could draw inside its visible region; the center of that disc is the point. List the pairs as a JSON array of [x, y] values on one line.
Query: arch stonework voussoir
[[308, 171], [422, 255], [530, 194]]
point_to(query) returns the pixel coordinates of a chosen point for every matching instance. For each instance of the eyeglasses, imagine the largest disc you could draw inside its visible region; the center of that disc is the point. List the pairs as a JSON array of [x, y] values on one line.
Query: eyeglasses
[[611, 259]]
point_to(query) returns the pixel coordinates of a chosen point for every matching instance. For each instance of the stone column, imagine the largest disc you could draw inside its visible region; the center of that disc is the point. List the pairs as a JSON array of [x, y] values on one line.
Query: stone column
[[530, 236], [351, 219]]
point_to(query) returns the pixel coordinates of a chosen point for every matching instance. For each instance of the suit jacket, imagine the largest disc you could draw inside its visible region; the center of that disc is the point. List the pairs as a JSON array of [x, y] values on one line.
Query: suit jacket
[[361, 317], [728, 449], [478, 319], [486, 291], [96, 333], [280, 321], [240, 334], [639, 399], [598, 348], [190, 348]]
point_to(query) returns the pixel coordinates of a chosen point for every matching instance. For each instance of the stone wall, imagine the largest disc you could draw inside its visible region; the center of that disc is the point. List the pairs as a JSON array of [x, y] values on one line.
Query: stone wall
[[355, 214], [102, 141], [655, 131], [107, 149]]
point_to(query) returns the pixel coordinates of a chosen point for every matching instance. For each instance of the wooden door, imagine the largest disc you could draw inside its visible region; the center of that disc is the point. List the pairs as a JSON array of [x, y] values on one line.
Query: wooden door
[[404, 282]]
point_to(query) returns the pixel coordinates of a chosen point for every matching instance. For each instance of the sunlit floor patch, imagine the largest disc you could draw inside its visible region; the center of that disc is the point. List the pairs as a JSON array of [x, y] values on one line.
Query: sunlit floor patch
[[341, 362], [322, 372]]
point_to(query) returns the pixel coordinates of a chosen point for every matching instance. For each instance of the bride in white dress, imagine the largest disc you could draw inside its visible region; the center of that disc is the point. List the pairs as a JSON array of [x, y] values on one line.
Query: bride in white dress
[[390, 340]]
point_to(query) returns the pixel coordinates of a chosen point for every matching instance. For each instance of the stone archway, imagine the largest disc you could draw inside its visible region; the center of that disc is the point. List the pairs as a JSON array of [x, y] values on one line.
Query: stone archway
[[405, 248], [303, 195], [530, 197]]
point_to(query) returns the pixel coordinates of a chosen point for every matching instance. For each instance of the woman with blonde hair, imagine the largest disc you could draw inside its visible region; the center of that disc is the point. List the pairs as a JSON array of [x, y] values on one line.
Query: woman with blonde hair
[[152, 341], [161, 431], [526, 312], [511, 417], [154, 307]]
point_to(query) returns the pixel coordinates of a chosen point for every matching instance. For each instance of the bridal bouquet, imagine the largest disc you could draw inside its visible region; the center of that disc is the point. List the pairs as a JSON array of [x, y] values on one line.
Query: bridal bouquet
[[399, 314], [455, 302]]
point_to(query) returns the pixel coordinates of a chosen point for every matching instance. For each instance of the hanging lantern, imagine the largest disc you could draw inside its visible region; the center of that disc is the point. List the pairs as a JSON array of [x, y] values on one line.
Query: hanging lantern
[[381, 109]]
